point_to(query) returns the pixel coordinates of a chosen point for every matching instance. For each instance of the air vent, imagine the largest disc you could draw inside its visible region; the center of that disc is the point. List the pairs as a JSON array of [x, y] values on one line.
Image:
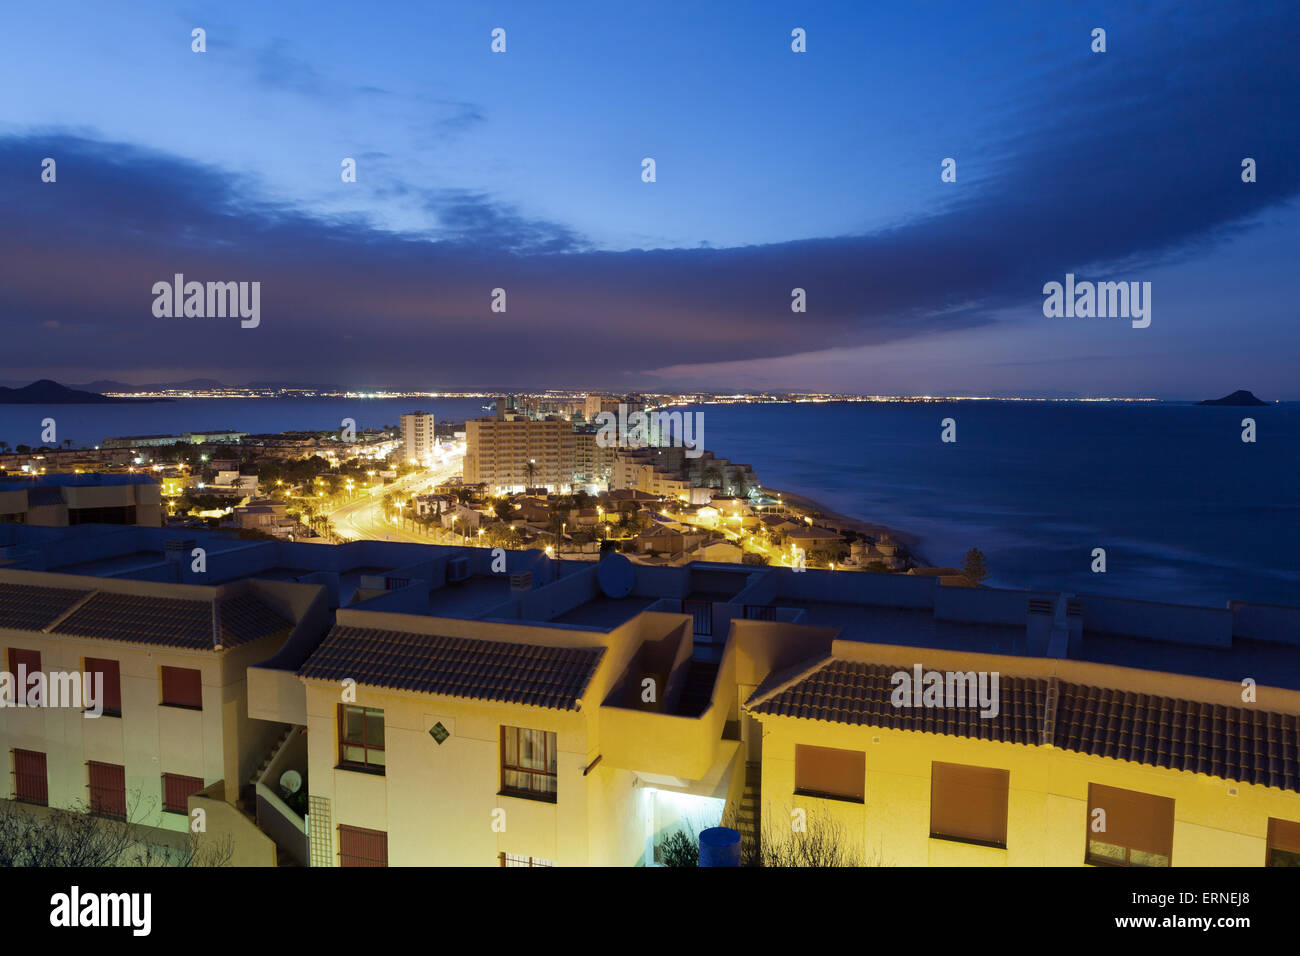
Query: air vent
[[458, 569]]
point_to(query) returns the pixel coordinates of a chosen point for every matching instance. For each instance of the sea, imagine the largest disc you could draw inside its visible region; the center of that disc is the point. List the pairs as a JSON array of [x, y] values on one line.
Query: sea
[[1184, 510]]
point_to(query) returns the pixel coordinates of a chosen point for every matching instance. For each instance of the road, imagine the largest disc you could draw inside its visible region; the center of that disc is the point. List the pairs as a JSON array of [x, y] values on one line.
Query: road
[[363, 519]]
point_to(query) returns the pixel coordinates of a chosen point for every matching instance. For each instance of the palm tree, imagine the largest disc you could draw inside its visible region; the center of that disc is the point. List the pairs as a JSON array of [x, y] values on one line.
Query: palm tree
[[530, 469]]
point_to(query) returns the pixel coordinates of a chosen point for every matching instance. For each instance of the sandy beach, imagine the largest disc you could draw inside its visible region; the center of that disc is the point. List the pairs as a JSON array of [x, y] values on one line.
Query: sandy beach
[[833, 519]]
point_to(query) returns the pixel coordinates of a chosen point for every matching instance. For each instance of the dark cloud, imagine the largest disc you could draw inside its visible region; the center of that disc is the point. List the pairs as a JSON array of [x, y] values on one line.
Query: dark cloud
[[1116, 162]]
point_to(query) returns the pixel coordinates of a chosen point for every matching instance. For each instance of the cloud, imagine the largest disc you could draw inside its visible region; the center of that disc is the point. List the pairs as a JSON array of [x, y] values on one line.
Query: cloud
[[1115, 162]]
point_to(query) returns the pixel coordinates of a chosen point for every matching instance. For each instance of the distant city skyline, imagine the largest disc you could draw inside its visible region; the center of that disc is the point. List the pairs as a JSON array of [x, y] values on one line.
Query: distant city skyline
[[775, 170]]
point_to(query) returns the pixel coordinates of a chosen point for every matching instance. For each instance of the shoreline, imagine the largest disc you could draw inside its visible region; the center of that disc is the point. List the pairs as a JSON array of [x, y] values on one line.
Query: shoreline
[[844, 522]]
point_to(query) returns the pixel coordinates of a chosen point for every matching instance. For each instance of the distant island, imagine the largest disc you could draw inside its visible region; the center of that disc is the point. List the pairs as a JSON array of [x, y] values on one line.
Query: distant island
[[46, 392], [1239, 397]]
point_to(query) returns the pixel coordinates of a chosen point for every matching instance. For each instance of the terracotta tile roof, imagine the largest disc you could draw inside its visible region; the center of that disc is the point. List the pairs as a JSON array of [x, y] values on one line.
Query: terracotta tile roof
[[846, 692], [1232, 743], [245, 618], [530, 674], [172, 622], [24, 607]]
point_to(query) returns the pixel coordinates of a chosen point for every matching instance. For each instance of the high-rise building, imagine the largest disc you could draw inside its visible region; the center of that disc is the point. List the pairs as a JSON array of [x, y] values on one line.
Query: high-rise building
[[507, 452], [418, 440]]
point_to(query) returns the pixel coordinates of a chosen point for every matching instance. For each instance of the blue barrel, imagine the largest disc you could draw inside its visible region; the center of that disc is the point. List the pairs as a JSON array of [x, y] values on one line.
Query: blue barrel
[[720, 846]]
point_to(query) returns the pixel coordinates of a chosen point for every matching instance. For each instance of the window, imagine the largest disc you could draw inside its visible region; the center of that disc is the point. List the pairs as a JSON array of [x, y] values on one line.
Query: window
[[969, 804], [182, 687], [361, 738], [112, 678], [510, 859], [30, 782], [361, 847], [528, 763], [1283, 843], [108, 789], [828, 772], [120, 515], [1138, 827], [177, 789], [30, 662]]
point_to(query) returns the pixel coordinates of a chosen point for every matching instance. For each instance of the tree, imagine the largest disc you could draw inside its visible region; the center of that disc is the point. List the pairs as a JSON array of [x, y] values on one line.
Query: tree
[[530, 469], [975, 569], [75, 837]]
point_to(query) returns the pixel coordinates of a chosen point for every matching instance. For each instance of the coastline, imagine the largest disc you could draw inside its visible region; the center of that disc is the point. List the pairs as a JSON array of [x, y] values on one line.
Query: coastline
[[848, 523]]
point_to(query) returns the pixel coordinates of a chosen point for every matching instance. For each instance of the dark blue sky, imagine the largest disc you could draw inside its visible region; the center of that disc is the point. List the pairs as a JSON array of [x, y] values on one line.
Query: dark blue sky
[[522, 170]]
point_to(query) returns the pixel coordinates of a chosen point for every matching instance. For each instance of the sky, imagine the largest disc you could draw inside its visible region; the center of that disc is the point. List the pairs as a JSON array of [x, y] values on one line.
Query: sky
[[774, 170]]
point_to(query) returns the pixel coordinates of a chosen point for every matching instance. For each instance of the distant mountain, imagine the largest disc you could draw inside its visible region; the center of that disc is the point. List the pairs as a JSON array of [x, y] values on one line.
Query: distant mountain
[[46, 392], [108, 385], [1239, 397]]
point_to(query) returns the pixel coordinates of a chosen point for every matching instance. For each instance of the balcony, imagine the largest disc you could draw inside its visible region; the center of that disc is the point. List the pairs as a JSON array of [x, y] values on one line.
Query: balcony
[[683, 734]]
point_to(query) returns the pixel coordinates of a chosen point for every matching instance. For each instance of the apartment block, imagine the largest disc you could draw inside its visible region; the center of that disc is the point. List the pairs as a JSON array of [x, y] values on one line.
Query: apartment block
[[418, 439], [173, 663], [438, 710], [519, 453]]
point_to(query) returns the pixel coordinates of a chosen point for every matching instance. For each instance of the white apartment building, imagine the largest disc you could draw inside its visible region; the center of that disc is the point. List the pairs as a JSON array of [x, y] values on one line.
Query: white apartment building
[[418, 440]]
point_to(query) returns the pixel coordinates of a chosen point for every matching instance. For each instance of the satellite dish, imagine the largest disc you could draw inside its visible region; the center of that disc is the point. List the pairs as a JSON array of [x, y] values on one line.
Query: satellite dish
[[291, 781], [616, 576]]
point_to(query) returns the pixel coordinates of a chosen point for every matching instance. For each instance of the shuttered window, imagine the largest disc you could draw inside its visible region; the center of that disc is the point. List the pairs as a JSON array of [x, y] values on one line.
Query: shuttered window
[[969, 803], [182, 687], [107, 789], [1283, 843], [31, 785], [829, 772], [30, 662], [362, 847], [112, 678], [1138, 827], [177, 789]]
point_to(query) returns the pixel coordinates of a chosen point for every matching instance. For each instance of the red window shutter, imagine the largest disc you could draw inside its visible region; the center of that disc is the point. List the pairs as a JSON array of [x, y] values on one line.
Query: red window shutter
[[177, 789], [31, 784], [30, 661], [111, 670], [107, 789], [361, 847], [182, 687]]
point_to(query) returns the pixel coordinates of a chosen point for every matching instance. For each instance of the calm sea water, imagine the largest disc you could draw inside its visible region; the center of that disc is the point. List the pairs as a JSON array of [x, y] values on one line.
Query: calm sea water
[[89, 425], [1186, 511]]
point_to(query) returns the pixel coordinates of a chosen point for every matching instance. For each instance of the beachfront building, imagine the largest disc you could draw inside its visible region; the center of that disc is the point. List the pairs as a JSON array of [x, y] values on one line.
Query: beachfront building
[[418, 440], [668, 471], [61, 500], [578, 713]]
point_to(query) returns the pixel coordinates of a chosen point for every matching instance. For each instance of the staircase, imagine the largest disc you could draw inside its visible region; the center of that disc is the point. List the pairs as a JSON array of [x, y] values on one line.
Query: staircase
[[277, 821], [749, 818], [248, 792], [697, 691]]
